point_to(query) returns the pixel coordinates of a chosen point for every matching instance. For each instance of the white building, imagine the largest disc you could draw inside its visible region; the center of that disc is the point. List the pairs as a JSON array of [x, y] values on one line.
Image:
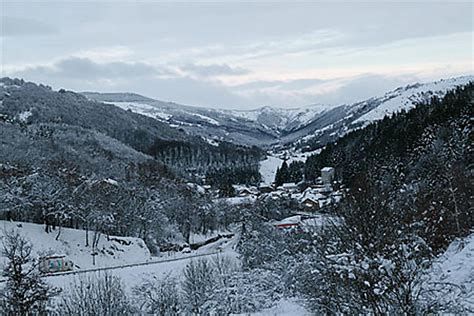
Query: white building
[[327, 175]]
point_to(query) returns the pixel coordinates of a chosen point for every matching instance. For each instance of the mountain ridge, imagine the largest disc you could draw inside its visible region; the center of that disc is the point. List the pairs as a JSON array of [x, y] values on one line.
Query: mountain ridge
[[269, 126]]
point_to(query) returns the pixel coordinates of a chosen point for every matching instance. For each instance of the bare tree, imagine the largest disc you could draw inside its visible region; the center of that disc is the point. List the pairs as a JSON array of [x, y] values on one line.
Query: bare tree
[[25, 292], [159, 296], [100, 294], [198, 285]]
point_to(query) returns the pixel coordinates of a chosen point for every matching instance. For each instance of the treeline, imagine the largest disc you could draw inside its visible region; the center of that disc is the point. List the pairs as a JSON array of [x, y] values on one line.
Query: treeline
[[225, 177], [203, 158], [289, 173], [148, 204]]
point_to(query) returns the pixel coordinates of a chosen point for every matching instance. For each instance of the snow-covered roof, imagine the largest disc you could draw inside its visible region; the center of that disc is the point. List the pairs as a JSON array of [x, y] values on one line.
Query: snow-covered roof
[[327, 169], [243, 188], [290, 220], [317, 220], [240, 200], [196, 187], [111, 181]]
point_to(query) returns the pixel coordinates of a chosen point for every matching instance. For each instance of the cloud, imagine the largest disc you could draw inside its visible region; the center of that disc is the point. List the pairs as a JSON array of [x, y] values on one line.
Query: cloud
[[81, 74], [301, 92], [212, 70], [16, 26], [281, 85], [85, 68], [105, 54], [362, 87], [162, 83]]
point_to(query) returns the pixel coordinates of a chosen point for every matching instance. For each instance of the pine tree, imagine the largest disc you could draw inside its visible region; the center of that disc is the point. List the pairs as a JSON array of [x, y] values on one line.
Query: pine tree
[[282, 174]]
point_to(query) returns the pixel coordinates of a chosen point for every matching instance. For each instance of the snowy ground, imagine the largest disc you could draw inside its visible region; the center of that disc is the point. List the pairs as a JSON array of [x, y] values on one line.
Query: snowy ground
[[172, 265], [133, 276], [268, 168], [71, 242], [115, 255], [452, 274], [285, 307]]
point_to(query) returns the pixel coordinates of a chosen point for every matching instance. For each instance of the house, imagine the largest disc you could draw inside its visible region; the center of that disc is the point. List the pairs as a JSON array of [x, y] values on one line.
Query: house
[[312, 200], [241, 190], [289, 187], [266, 188], [327, 175], [322, 188], [310, 204]]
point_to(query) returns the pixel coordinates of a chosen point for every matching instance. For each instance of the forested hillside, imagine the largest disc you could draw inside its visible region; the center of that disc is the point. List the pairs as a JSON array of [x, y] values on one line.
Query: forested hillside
[[422, 157], [409, 193], [67, 161], [38, 107]]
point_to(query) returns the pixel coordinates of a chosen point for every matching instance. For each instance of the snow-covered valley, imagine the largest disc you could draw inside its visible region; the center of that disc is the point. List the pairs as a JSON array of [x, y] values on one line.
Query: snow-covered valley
[[299, 228]]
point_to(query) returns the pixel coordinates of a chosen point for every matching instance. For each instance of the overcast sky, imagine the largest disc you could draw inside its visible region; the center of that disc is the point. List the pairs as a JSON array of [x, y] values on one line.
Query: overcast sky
[[236, 54]]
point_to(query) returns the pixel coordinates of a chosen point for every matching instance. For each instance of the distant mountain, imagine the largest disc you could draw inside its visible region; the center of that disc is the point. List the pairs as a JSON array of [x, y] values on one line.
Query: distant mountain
[[309, 127], [75, 125], [212, 125], [261, 127], [331, 124]]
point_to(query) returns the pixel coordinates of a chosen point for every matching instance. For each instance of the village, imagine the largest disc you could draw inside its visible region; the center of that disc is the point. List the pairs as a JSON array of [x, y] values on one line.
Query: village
[[312, 200]]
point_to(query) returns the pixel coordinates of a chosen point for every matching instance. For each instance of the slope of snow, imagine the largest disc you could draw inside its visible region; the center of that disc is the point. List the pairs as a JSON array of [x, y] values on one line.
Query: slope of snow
[[205, 118], [406, 98], [115, 255], [452, 275], [268, 168], [279, 118], [143, 109], [71, 242], [135, 275]]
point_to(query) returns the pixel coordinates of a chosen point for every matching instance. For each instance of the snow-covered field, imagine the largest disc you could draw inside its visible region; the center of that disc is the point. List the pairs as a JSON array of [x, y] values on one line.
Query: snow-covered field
[[135, 275], [71, 242], [112, 254], [268, 168]]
